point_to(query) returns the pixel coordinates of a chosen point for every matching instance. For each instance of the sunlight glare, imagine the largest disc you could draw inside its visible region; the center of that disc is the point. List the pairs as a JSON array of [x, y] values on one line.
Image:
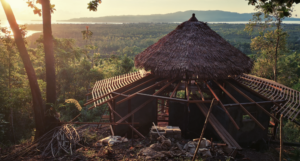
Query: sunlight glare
[[17, 4]]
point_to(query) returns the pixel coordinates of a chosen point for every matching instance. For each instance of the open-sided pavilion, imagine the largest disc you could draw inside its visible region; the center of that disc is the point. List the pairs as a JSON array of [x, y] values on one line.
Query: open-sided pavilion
[[184, 72]]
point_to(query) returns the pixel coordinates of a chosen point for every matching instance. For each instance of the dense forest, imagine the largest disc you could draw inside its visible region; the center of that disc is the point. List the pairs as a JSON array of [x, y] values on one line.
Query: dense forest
[[89, 52], [117, 38]]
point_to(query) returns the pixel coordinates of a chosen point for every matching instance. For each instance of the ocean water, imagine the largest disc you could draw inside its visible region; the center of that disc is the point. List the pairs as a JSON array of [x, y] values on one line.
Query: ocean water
[[4, 23], [31, 32]]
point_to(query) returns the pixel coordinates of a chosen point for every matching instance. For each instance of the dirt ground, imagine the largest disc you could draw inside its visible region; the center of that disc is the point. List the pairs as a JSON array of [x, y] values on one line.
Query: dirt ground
[[130, 150]]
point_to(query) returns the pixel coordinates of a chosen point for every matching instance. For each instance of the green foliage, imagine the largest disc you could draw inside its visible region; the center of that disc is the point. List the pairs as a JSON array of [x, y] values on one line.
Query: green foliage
[[289, 70], [126, 65], [36, 9], [291, 131], [93, 5], [272, 6]]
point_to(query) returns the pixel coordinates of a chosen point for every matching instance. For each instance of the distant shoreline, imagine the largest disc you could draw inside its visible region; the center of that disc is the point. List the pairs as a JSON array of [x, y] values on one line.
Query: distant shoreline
[[205, 16]]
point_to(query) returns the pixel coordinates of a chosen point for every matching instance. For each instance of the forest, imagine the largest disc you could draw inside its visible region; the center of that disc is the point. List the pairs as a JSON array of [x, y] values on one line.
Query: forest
[[91, 52], [85, 53]]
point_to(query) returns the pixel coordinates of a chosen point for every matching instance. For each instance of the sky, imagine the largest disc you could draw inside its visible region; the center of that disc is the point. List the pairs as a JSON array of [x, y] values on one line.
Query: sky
[[68, 9]]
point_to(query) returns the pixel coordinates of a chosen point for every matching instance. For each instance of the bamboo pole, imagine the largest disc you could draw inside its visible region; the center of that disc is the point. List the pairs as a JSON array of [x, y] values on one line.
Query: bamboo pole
[[204, 126]]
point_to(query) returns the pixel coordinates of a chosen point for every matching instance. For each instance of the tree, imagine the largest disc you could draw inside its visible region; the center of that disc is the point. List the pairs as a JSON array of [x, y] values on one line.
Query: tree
[[276, 11], [126, 65], [269, 50], [49, 54], [268, 5], [38, 106], [46, 11]]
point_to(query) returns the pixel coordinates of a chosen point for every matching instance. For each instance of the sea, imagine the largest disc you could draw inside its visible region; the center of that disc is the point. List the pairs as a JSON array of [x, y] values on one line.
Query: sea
[[4, 23]]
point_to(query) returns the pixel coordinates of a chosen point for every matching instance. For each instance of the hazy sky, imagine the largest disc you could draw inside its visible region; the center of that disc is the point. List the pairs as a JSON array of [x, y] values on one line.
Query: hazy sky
[[67, 9]]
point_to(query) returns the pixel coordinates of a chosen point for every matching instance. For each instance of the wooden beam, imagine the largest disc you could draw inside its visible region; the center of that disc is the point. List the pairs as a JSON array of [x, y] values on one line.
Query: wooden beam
[[187, 92], [242, 107], [145, 89], [145, 103], [104, 123], [135, 110], [203, 129], [218, 127], [134, 129], [175, 99], [164, 87], [281, 137], [139, 85], [200, 101], [92, 101], [251, 100], [221, 104], [265, 98], [254, 103], [200, 92], [175, 89], [111, 119], [114, 96]]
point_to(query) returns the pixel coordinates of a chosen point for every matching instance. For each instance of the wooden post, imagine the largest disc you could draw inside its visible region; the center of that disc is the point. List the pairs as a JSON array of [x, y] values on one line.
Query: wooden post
[[157, 108], [274, 129], [111, 121], [280, 153], [110, 106], [129, 118], [163, 106], [132, 120], [221, 104], [204, 126]]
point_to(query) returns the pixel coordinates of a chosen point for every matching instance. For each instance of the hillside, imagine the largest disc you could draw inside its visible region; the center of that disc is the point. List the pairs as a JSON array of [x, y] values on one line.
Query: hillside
[[207, 16]]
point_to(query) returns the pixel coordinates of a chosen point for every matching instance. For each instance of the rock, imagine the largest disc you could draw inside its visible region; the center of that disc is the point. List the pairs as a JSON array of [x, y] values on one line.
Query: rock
[[111, 140], [205, 152], [189, 145], [151, 153], [192, 150], [156, 146], [168, 131], [165, 142], [188, 154]]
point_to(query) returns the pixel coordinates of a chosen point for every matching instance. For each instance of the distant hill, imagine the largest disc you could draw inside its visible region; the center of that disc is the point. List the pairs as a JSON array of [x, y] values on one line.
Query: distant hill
[[206, 16]]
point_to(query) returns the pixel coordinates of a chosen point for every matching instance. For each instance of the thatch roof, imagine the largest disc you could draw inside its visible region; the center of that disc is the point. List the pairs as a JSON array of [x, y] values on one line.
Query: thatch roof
[[193, 49]]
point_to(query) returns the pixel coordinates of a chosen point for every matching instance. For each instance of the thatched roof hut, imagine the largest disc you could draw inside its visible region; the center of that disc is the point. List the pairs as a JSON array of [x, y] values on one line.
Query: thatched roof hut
[[193, 49]]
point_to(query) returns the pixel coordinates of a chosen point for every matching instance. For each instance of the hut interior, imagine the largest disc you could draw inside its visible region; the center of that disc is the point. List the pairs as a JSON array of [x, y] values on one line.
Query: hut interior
[[184, 72]]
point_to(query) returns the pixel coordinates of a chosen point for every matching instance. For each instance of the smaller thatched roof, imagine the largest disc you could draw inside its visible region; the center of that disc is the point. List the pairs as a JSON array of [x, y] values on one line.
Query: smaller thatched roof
[[193, 49]]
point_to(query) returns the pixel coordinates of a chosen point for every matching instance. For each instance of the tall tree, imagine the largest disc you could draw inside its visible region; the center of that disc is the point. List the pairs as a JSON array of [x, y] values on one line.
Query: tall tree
[[38, 106], [49, 54], [274, 10]]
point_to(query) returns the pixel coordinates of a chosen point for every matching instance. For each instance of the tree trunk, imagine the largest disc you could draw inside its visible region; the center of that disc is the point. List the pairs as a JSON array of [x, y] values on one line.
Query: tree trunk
[[49, 54], [38, 106], [9, 95], [276, 51]]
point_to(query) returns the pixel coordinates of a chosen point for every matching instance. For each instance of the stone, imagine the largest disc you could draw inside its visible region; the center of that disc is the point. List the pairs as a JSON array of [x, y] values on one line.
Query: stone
[[167, 131]]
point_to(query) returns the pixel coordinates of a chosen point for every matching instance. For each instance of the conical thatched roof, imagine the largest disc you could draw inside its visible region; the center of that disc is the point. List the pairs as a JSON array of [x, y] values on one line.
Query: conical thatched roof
[[193, 49]]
